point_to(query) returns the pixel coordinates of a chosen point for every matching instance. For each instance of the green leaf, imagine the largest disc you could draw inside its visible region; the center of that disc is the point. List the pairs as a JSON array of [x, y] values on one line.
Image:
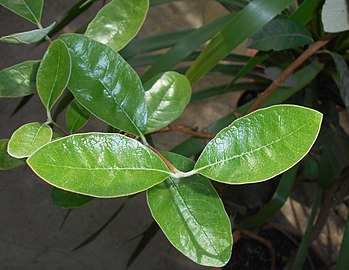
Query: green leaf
[[343, 75], [28, 9], [335, 16], [261, 145], [19, 80], [192, 216], [6, 161], [99, 165], [106, 85], [239, 28], [166, 99], [68, 200], [281, 34], [118, 22], [54, 73], [28, 138], [76, 116], [28, 37]]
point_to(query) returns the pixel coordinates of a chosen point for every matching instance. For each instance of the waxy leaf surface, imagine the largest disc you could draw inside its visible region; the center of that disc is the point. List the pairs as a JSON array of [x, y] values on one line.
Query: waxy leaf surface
[[280, 34], [335, 16], [105, 84], [68, 200], [76, 116], [166, 99], [192, 216], [118, 22], [260, 145], [28, 37], [28, 138], [54, 73], [99, 165], [19, 80], [6, 161], [28, 9]]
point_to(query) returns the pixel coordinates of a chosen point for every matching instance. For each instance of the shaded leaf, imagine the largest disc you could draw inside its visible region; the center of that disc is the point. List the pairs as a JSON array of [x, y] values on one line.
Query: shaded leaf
[[6, 161], [28, 9], [343, 258], [22, 104], [76, 116], [28, 138], [54, 73], [105, 84], [19, 80], [166, 99], [69, 200], [261, 145], [181, 207], [118, 22], [99, 165], [335, 16], [280, 34], [27, 37]]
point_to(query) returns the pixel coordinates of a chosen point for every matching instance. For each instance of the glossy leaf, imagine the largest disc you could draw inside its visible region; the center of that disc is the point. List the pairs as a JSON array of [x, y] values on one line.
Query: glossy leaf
[[28, 37], [28, 9], [68, 200], [118, 22], [280, 34], [192, 216], [76, 116], [54, 73], [335, 16], [6, 161], [99, 165], [19, 80], [105, 84], [28, 138], [166, 100], [239, 28], [260, 145]]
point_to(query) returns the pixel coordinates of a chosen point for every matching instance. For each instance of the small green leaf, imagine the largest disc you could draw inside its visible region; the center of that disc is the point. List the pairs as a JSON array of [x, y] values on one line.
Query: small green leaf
[[27, 37], [192, 216], [6, 161], [99, 165], [166, 99], [335, 16], [28, 9], [68, 200], [28, 138], [19, 80], [76, 116], [260, 145], [106, 85], [118, 22], [54, 73], [281, 34]]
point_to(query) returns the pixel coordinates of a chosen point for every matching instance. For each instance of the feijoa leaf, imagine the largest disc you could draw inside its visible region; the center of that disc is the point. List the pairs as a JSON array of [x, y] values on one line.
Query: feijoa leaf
[[19, 80], [118, 22], [28, 37], [105, 84], [28, 138], [28, 9], [261, 145], [6, 161], [335, 16], [166, 99], [192, 216], [68, 200], [76, 116], [99, 165], [54, 73]]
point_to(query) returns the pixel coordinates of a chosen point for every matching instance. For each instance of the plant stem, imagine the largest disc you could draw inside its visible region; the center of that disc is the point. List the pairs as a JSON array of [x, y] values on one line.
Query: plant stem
[[169, 164], [60, 128], [186, 130], [291, 68]]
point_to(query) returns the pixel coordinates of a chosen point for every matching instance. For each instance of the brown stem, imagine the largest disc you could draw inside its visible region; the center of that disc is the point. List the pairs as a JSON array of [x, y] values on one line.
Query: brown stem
[[169, 164], [185, 130], [60, 128], [264, 242], [291, 68]]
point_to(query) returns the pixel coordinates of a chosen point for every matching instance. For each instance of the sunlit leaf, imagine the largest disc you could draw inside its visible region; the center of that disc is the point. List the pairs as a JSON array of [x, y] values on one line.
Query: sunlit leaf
[[6, 161], [28, 9], [335, 16]]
